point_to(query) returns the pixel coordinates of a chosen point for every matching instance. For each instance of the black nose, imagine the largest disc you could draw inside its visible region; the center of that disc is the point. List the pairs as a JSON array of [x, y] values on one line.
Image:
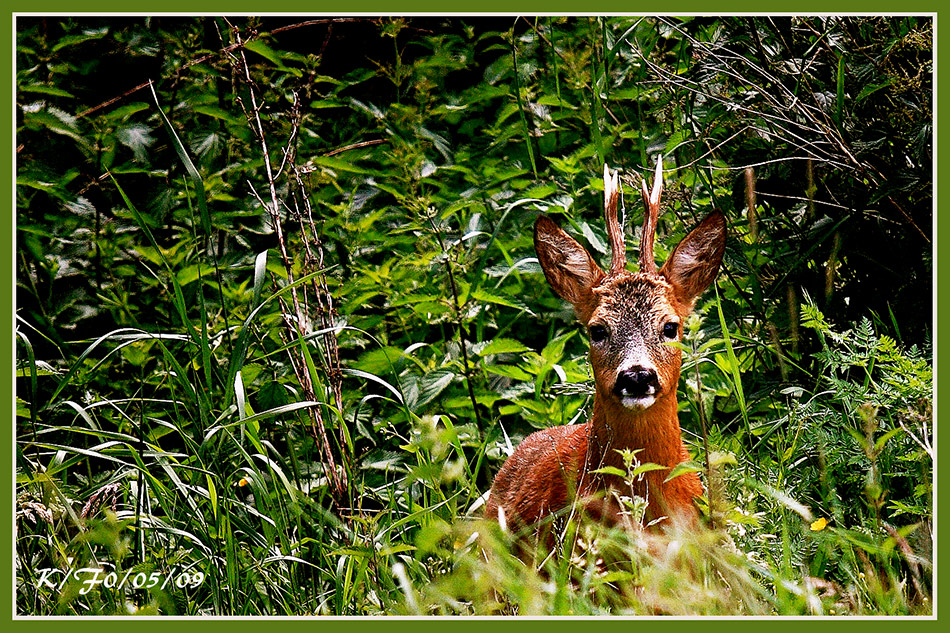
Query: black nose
[[637, 383]]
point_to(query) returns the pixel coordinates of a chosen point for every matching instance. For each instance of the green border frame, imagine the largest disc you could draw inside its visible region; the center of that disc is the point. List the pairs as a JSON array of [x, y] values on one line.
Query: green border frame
[[441, 7], [524, 7]]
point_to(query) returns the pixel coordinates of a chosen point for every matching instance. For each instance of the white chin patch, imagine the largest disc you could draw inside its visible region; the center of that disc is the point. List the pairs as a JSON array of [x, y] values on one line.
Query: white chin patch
[[637, 404]]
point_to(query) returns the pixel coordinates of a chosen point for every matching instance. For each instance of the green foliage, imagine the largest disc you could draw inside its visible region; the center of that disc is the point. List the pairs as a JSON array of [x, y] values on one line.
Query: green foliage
[[279, 316]]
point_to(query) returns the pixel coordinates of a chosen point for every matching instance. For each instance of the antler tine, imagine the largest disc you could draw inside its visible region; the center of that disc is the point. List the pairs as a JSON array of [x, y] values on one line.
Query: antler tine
[[651, 204], [618, 255]]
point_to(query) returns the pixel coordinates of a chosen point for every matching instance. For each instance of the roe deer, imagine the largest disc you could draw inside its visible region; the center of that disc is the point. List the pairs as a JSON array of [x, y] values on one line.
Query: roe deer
[[630, 318]]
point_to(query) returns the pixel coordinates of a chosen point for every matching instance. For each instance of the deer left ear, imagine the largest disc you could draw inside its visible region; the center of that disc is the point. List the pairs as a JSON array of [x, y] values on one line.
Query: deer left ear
[[694, 263], [567, 265]]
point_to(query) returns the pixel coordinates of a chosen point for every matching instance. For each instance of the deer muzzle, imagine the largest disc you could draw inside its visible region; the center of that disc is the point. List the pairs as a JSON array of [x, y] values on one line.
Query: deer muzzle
[[637, 387]]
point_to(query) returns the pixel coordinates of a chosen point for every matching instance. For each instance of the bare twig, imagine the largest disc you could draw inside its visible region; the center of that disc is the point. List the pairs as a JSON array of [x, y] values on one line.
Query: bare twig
[[295, 318], [315, 261], [770, 107]]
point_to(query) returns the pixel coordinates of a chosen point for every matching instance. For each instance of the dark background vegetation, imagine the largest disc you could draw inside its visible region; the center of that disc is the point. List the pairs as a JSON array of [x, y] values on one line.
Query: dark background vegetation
[[279, 320]]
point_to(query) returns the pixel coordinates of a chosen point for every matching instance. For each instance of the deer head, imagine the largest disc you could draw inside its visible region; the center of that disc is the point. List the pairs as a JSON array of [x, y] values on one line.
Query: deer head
[[631, 317]]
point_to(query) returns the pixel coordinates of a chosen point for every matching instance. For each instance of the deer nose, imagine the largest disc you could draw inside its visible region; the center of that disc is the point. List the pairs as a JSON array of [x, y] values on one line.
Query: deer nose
[[637, 382]]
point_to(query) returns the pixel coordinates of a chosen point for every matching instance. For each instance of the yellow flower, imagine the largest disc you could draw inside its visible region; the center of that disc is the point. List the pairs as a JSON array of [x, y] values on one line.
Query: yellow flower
[[819, 525], [243, 482]]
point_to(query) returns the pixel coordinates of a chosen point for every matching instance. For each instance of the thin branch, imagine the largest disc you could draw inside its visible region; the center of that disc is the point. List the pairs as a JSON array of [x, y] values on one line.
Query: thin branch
[[273, 208], [460, 325]]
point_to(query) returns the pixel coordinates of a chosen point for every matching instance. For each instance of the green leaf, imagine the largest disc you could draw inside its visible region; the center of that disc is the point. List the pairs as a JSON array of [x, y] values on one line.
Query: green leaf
[[609, 470], [219, 113], [125, 111], [239, 395], [258, 46], [509, 371], [46, 90], [136, 137], [322, 104], [213, 496], [85, 36], [499, 346], [484, 295], [553, 352], [336, 164], [870, 89], [430, 386], [644, 468], [193, 273], [260, 269], [379, 361], [682, 468]]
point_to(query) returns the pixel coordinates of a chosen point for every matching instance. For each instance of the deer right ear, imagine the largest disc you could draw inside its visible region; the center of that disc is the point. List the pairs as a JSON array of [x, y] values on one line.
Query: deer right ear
[[567, 265], [694, 263]]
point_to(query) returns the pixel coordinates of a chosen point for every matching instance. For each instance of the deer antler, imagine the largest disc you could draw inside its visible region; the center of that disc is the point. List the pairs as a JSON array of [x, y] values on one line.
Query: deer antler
[[651, 203], [618, 259]]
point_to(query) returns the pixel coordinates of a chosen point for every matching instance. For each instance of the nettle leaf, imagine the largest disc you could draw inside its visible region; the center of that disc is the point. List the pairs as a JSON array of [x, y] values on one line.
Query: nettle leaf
[[124, 112], [53, 119], [193, 273], [594, 237], [428, 387], [489, 297], [553, 352], [499, 346], [220, 114], [79, 38], [336, 164], [209, 147], [509, 371], [645, 468], [379, 361], [268, 53], [46, 90], [682, 468], [609, 470], [136, 137]]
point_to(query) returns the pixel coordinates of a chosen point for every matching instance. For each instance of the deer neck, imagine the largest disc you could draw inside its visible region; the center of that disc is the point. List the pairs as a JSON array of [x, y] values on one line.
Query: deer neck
[[654, 432]]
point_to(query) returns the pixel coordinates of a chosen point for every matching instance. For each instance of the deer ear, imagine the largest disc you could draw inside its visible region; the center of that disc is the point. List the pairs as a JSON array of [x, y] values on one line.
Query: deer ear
[[567, 265], [694, 263]]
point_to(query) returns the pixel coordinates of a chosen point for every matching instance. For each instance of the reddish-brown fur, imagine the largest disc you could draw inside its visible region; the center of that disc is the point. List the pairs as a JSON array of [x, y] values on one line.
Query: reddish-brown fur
[[635, 373]]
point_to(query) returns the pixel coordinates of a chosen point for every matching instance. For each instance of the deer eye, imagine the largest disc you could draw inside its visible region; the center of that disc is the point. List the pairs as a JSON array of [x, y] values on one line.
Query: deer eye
[[598, 333], [671, 329]]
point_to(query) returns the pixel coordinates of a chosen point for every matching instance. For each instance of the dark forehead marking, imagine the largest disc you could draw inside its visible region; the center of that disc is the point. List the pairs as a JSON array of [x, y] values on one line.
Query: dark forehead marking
[[627, 282], [630, 294]]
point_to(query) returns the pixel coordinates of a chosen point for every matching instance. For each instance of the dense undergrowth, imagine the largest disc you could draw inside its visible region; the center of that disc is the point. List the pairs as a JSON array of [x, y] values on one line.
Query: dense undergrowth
[[279, 319]]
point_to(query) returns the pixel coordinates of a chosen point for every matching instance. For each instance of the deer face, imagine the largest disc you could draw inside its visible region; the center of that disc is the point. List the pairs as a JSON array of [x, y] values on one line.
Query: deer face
[[630, 329]]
